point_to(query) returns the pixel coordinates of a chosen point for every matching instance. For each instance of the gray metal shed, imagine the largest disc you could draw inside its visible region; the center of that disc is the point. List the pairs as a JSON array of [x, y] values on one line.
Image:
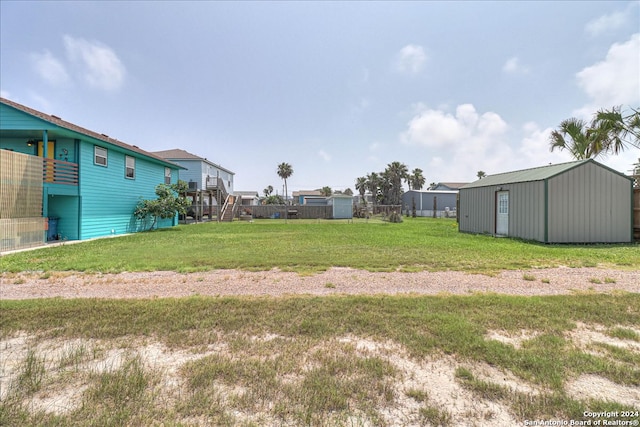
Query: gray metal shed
[[342, 206], [431, 203], [575, 202]]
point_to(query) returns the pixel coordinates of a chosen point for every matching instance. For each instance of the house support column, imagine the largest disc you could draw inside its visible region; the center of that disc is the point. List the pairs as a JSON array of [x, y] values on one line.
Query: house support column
[[45, 144], [45, 192]]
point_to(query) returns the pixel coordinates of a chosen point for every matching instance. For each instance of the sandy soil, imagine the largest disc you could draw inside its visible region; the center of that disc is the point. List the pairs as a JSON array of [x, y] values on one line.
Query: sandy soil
[[437, 375], [551, 281]]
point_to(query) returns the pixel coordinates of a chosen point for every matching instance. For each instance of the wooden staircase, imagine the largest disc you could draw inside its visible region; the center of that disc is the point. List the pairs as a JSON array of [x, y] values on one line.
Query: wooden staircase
[[231, 202], [229, 208]]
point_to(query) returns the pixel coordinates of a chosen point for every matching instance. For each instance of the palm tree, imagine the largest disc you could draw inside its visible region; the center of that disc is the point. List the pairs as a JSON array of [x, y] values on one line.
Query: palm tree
[[396, 172], [267, 191], [326, 191], [615, 131], [373, 185], [481, 174], [574, 135], [361, 186], [416, 180], [285, 171]]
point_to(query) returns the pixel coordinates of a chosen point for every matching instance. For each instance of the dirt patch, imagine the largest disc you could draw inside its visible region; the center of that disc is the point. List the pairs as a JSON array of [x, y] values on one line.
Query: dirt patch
[[70, 362], [550, 281]]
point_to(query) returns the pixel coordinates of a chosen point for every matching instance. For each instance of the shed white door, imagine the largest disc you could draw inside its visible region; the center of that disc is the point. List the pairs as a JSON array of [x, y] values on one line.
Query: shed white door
[[502, 213]]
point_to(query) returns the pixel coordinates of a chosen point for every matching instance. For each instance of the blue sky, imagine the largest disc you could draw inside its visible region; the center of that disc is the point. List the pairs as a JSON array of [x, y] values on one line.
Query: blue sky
[[336, 89]]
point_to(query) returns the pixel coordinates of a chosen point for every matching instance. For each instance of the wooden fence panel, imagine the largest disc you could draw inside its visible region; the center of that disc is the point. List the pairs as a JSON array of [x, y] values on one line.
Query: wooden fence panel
[[291, 212], [21, 222], [20, 185], [636, 213]]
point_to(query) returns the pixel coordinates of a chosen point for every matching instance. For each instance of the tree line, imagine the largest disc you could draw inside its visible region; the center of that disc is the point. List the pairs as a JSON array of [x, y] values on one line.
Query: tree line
[[386, 186]]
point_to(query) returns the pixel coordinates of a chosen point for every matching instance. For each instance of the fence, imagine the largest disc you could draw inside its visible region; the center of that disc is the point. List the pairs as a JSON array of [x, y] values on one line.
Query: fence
[[636, 213], [60, 172], [291, 212], [21, 189]]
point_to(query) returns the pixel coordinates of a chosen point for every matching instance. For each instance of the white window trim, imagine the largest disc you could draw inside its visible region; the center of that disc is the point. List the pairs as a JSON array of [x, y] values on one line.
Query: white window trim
[[96, 156], [167, 176], [126, 167]]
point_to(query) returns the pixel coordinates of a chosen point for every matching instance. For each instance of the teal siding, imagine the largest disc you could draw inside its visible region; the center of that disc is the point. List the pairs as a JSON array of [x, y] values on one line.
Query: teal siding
[[64, 147], [17, 120], [108, 198], [66, 209], [103, 202]]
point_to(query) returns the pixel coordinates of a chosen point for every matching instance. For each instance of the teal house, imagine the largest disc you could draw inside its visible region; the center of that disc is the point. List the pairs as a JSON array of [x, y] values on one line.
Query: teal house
[[88, 184]]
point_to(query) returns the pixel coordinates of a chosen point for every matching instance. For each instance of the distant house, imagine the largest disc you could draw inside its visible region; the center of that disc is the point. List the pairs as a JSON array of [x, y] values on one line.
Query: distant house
[[575, 202], [89, 184], [210, 185], [430, 203], [448, 186], [248, 198], [198, 171], [299, 197]]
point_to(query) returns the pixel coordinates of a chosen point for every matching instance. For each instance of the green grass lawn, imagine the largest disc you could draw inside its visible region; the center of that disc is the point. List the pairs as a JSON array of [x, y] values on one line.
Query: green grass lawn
[[308, 246], [291, 360]]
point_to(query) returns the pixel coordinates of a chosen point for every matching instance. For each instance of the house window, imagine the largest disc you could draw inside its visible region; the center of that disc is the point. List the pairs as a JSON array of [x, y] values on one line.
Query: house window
[[130, 167], [100, 156], [167, 176]]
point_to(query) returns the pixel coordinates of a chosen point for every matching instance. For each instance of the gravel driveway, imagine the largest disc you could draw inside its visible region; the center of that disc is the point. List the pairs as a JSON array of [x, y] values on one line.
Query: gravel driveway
[[552, 281]]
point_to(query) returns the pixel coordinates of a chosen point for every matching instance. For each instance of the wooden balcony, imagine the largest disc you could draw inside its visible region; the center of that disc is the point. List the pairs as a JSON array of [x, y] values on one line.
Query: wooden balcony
[[59, 172]]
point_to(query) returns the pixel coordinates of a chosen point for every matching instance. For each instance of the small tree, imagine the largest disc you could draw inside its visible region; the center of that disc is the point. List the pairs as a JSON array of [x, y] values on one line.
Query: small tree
[[285, 171], [274, 199], [170, 201], [326, 191]]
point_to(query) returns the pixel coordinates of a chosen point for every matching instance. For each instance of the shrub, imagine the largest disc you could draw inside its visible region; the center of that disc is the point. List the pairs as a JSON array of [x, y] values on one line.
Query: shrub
[[395, 217]]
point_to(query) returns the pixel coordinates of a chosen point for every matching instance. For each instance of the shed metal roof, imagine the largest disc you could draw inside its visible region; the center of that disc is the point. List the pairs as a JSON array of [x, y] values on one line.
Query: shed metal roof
[[527, 175]]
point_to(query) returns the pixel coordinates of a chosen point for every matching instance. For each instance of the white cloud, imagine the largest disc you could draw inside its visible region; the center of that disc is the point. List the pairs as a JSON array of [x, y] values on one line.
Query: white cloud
[[324, 155], [513, 66], [468, 140], [616, 79], [100, 66], [534, 148], [437, 129], [606, 23], [50, 68], [411, 59]]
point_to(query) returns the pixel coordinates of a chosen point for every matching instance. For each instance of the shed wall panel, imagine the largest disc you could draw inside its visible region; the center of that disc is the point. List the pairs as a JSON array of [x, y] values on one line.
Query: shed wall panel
[[589, 204], [477, 210], [526, 210]]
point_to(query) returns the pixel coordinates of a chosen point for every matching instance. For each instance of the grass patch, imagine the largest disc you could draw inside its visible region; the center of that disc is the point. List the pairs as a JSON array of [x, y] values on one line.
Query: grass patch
[[435, 416], [287, 361], [624, 334], [311, 246]]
